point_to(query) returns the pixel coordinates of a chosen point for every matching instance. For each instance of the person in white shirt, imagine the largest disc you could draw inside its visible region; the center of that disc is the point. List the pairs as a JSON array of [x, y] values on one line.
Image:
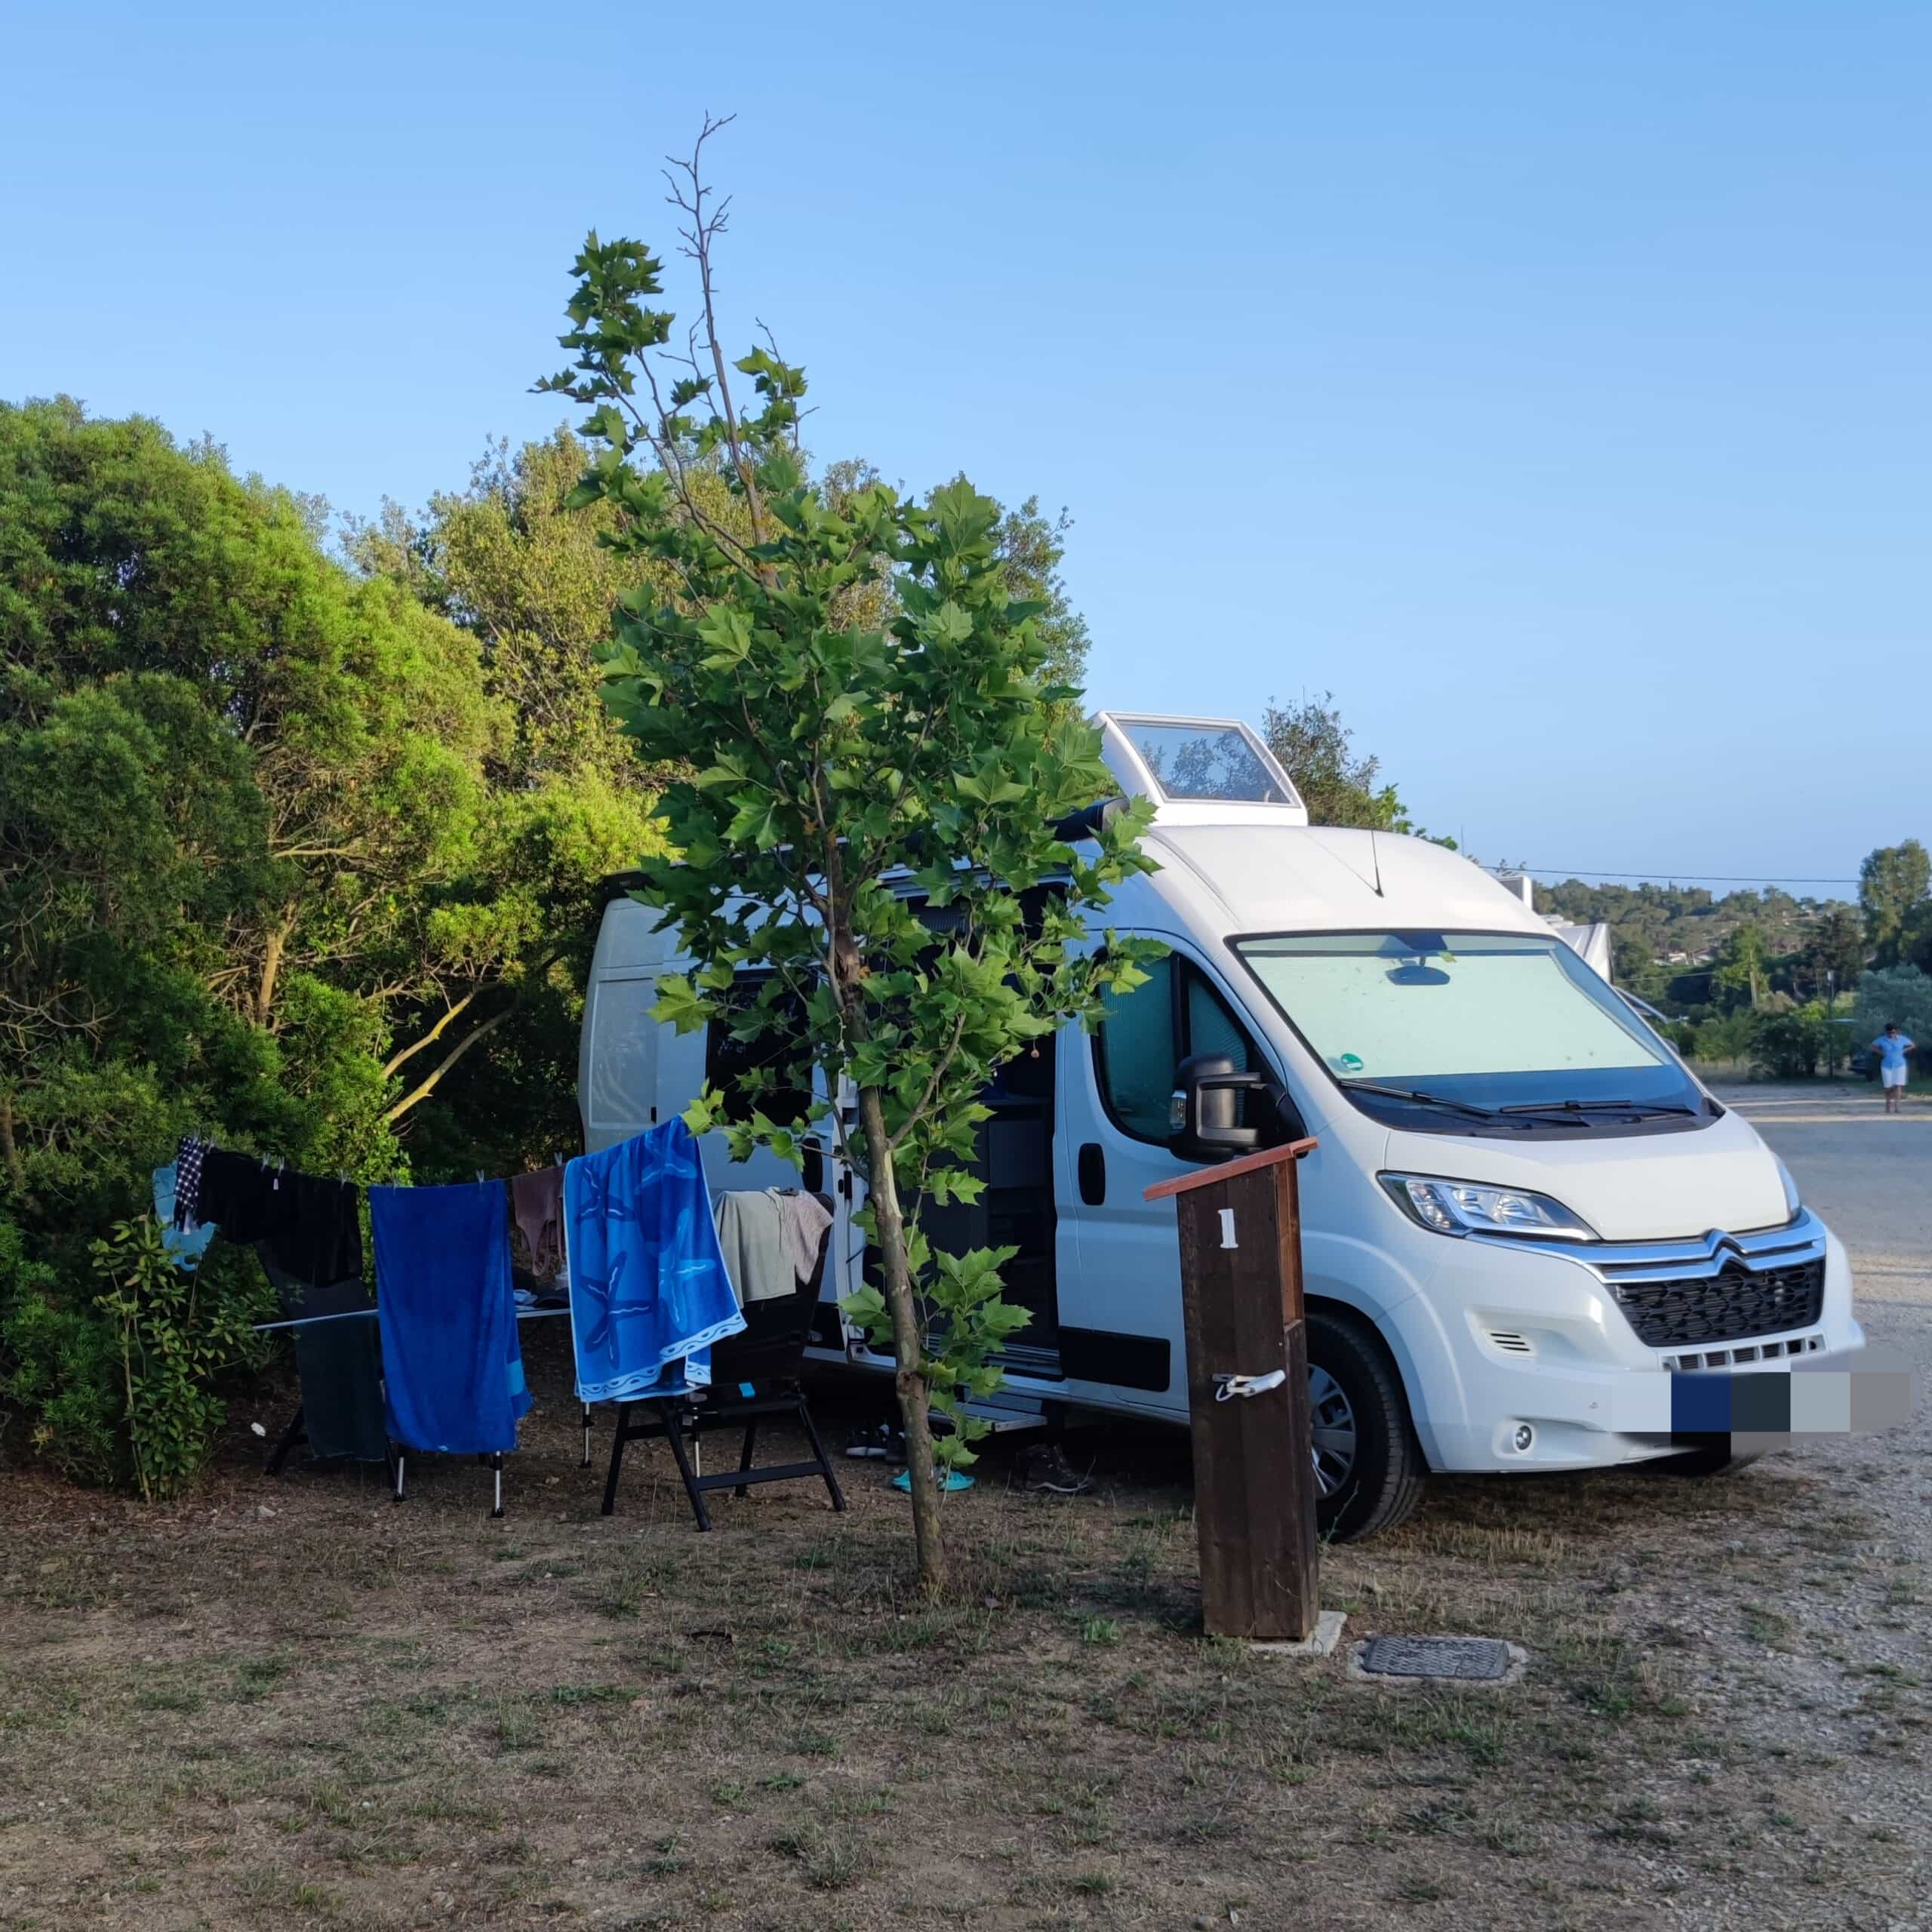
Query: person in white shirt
[[1891, 1046]]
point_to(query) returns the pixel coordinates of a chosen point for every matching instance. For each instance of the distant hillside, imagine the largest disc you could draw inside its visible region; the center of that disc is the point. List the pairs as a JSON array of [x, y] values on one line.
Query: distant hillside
[[1664, 934]]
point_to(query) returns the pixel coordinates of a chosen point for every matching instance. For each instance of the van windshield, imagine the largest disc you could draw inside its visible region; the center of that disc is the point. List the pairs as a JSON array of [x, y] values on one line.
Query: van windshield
[[1492, 1021]]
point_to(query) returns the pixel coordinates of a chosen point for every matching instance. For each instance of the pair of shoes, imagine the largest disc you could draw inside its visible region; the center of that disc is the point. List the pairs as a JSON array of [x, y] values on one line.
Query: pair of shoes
[[1047, 1470], [885, 1444], [949, 1481]]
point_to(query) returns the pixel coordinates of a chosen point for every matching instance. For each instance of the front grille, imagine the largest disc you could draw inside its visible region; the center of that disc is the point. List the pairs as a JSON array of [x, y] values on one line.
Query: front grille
[[1701, 1361], [1735, 1303]]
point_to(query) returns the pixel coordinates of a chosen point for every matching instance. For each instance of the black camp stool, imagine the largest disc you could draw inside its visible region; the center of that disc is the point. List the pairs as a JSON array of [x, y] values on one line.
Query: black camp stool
[[755, 1373]]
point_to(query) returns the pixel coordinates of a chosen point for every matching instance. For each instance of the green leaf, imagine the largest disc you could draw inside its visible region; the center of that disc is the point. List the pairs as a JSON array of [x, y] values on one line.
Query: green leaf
[[679, 1004]]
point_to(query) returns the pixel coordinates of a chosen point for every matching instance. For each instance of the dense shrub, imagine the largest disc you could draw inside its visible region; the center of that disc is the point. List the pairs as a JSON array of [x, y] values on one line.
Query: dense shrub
[[271, 864], [1790, 1046], [1903, 993]]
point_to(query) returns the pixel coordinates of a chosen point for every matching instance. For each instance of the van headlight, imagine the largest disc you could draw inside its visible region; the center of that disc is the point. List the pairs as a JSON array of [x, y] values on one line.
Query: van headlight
[[1794, 1202], [1466, 1207]]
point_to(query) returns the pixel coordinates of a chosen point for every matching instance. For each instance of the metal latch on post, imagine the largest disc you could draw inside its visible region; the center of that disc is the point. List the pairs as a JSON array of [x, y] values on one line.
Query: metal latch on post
[[1226, 1387]]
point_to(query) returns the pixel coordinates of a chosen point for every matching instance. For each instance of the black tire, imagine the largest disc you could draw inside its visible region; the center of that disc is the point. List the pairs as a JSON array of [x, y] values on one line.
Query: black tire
[[1708, 1456], [1379, 1484]]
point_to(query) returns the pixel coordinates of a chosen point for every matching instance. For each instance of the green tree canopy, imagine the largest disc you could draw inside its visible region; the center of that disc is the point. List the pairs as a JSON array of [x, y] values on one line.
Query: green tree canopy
[[1337, 783], [271, 866], [869, 839], [534, 581], [1835, 947], [1739, 977], [1903, 993], [1894, 884]]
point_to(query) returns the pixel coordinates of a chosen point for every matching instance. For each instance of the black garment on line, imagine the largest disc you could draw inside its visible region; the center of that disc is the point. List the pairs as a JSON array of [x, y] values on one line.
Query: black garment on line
[[311, 1228], [340, 1364]]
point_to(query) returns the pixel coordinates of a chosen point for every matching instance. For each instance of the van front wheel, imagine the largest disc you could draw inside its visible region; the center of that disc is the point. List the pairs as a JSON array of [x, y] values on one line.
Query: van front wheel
[[1368, 1468]]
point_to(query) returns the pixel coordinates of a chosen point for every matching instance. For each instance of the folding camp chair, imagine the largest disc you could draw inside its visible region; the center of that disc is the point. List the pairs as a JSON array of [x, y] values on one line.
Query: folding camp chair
[[754, 1374]]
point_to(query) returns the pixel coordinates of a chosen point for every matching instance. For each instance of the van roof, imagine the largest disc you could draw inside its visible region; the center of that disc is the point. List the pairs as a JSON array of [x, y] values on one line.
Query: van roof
[[1228, 879], [1261, 878]]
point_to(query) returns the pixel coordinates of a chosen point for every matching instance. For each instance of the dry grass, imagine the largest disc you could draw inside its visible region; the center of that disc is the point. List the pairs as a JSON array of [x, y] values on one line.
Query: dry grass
[[350, 1716]]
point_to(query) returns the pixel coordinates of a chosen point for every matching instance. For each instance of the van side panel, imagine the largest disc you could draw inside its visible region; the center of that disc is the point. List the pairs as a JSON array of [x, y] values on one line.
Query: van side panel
[[619, 1073], [617, 1086]]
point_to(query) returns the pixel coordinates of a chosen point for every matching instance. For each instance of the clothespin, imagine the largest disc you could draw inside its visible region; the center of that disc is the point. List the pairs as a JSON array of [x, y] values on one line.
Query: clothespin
[[479, 1173]]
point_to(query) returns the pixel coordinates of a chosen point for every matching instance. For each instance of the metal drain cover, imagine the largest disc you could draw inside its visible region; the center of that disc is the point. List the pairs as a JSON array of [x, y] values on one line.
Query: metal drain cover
[[1481, 1659]]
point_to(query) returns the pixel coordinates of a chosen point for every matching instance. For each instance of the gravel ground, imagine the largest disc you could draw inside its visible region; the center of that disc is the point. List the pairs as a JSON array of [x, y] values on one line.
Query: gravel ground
[[1837, 1649]]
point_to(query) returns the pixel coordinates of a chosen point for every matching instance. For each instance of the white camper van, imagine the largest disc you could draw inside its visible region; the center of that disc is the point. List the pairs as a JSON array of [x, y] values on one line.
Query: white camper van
[[1523, 1212]]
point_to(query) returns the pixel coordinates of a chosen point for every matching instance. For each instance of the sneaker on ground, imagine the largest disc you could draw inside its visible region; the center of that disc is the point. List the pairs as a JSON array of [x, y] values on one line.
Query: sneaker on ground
[[1047, 1469], [884, 1443]]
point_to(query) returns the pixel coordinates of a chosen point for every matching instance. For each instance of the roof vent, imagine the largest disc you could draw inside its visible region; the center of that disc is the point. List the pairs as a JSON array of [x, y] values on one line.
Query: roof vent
[[1198, 770]]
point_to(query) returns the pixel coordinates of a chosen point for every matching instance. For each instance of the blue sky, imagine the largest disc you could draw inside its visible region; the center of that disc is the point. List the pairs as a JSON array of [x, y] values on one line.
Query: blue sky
[[1548, 381]]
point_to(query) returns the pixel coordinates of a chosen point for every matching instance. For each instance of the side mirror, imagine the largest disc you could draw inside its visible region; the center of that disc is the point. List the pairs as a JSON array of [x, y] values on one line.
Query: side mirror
[[1206, 1107]]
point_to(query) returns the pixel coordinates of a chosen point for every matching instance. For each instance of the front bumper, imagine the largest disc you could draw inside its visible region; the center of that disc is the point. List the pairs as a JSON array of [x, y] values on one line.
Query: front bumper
[[1519, 1358]]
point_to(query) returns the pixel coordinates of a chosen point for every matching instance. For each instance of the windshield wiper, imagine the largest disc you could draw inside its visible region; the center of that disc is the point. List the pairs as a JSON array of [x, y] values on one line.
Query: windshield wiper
[[1416, 1094], [1641, 1107]]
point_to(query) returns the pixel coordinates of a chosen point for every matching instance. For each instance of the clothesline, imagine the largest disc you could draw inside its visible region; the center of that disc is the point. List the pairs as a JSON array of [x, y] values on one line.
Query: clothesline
[[630, 1234]]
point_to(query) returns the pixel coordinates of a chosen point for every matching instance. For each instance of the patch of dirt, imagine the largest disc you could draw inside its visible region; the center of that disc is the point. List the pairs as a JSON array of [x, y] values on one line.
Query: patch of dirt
[[350, 1714]]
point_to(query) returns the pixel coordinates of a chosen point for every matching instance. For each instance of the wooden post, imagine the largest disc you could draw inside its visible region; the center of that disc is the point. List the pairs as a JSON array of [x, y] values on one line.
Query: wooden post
[[1253, 1470]]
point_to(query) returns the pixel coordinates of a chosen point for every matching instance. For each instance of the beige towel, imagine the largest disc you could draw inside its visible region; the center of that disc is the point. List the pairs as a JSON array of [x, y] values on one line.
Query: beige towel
[[806, 1218]]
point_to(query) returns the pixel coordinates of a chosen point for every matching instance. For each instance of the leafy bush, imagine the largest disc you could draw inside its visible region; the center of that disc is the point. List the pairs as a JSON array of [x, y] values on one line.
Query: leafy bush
[[1789, 1046], [274, 860], [57, 1367], [175, 1333], [1903, 993], [112, 1355], [1727, 1036]]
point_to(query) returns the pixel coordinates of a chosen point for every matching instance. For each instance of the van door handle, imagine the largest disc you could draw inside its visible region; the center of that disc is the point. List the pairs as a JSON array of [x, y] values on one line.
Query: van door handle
[[1092, 1170]]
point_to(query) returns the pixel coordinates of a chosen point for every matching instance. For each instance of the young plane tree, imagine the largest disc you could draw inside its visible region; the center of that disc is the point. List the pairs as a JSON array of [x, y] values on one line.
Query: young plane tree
[[867, 837]]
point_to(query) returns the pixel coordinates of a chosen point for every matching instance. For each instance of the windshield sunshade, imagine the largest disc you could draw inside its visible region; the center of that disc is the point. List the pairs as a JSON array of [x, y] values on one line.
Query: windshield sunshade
[[1488, 1019]]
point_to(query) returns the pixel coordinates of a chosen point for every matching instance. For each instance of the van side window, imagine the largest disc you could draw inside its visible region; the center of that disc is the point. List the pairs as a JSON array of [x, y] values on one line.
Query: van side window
[[727, 1061], [1211, 1028], [1145, 1034], [1134, 1053]]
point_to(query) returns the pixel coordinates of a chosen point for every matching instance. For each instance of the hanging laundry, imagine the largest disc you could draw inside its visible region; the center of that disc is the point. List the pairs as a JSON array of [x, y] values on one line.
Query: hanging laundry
[[318, 1236], [238, 1193], [340, 1362], [751, 1233], [537, 1207], [649, 1291], [313, 1227], [183, 1249], [340, 1365], [188, 1158], [772, 1239], [806, 1219], [451, 1363]]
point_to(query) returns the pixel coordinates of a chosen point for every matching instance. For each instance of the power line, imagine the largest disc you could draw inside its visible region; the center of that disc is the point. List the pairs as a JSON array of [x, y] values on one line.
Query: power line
[[1674, 878]]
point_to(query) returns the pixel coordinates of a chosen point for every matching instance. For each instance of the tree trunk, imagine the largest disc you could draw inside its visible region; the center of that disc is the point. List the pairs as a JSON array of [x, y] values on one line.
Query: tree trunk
[[10, 1148], [278, 939], [905, 1347]]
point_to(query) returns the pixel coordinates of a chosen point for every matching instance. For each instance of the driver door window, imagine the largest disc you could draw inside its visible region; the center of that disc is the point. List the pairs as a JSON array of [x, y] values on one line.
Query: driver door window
[[1145, 1034]]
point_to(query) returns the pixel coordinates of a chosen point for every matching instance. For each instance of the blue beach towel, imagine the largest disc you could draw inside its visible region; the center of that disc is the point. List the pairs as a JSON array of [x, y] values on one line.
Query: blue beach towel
[[451, 1364], [648, 1287]]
